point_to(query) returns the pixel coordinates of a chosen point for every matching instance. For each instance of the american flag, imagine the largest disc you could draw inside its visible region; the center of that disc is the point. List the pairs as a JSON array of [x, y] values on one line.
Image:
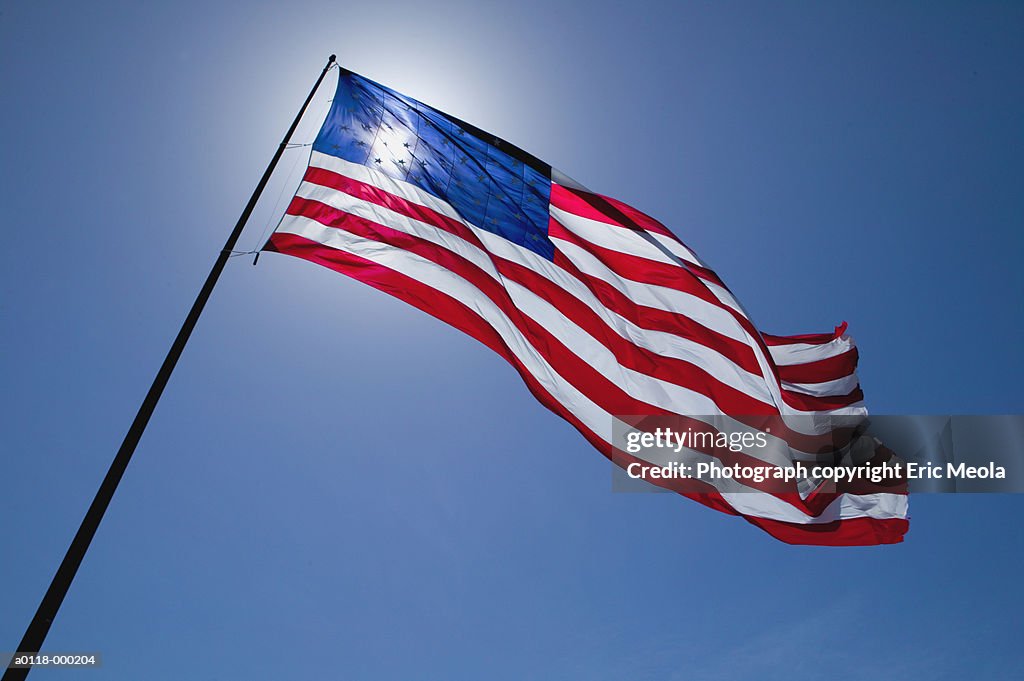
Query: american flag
[[603, 311]]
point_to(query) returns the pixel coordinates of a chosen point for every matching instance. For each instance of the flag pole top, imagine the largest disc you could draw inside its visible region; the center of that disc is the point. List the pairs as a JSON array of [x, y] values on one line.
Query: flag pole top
[[331, 59]]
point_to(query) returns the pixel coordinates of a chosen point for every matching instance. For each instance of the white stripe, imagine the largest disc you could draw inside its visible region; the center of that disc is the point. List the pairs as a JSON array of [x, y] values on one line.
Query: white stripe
[[677, 248], [837, 387], [882, 506], [670, 244], [361, 173], [620, 239], [805, 353]]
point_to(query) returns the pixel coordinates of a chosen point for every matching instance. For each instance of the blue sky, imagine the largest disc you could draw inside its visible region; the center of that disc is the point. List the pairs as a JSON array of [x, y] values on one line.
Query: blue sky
[[336, 485]]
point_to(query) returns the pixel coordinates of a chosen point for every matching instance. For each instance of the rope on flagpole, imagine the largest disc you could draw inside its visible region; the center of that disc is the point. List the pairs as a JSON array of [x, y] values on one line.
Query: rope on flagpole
[[271, 223]]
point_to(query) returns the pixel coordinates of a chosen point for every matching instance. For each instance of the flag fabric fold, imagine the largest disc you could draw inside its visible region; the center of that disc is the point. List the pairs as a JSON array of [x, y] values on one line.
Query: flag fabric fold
[[602, 310]]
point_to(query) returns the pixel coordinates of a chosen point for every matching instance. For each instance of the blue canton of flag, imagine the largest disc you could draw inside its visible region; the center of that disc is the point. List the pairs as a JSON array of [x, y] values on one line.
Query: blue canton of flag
[[491, 183]]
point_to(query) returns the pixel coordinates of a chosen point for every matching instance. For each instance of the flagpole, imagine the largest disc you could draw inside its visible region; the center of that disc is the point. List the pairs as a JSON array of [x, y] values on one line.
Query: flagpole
[[34, 636]]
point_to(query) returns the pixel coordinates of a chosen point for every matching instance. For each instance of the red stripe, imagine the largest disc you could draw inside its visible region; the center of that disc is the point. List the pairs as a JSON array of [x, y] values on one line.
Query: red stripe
[[828, 369], [849, 532], [805, 402], [607, 210], [705, 273], [808, 338]]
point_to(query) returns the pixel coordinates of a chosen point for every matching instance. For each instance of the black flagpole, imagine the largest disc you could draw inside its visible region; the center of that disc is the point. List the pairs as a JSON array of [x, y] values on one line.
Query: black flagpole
[[32, 641]]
